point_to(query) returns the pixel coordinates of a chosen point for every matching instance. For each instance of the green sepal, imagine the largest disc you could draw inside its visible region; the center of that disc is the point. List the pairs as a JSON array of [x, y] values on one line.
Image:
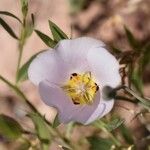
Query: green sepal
[[10, 128], [46, 39], [57, 33], [8, 28]]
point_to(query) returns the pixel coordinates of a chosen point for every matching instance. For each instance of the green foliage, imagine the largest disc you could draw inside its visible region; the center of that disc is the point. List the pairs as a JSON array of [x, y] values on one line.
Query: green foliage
[[136, 78], [137, 63], [24, 7], [144, 101], [98, 143], [125, 132], [110, 125], [8, 28], [115, 50], [114, 124], [146, 56], [105, 128], [56, 122], [57, 33], [25, 33], [10, 128], [10, 14], [28, 30], [77, 5], [132, 40], [46, 39], [41, 129]]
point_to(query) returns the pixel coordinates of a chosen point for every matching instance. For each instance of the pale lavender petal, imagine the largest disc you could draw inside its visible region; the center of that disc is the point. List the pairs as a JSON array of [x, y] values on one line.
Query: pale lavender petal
[[104, 67], [107, 107], [74, 52], [48, 66], [90, 113], [54, 96], [51, 70]]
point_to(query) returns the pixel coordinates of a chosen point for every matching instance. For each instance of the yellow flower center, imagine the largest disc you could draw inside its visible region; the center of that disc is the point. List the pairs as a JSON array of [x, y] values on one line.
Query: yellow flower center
[[81, 88]]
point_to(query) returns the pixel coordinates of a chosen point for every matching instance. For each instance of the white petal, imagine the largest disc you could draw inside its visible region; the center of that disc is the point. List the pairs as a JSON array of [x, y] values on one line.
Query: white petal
[[97, 114], [90, 113], [54, 96], [47, 66], [109, 105], [104, 67], [74, 52]]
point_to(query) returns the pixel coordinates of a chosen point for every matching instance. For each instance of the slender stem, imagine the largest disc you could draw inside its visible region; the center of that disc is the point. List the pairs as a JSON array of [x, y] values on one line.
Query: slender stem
[[126, 99], [19, 93], [131, 92], [19, 60], [69, 130], [141, 99], [22, 40]]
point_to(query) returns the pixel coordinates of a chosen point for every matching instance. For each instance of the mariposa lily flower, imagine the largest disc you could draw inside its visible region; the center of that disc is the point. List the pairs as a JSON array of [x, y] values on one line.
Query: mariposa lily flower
[[71, 78]]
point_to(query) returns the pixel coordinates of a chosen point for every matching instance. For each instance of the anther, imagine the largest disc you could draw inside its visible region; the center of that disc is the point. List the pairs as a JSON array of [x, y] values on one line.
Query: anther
[[75, 101], [74, 74], [97, 87]]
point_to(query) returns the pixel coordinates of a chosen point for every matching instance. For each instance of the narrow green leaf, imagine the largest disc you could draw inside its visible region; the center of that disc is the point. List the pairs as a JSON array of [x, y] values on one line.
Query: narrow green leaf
[[23, 71], [24, 7], [144, 101], [10, 128], [46, 39], [103, 126], [126, 134], [131, 39], [114, 124], [115, 50], [10, 14], [42, 130], [57, 33], [8, 28], [98, 143], [56, 122], [77, 5], [69, 129], [136, 78], [146, 56]]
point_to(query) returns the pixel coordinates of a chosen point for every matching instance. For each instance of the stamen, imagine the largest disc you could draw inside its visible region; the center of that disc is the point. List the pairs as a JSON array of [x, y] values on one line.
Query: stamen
[[81, 88]]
